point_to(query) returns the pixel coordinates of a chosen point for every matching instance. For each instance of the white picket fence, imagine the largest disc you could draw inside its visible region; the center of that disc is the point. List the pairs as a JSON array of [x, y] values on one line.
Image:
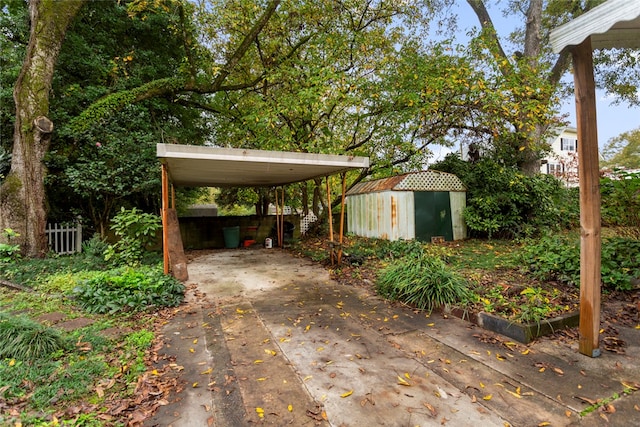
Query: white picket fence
[[65, 238]]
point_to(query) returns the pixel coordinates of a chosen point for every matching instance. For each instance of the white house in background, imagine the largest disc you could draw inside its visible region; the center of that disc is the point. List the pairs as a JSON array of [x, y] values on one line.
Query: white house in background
[[562, 160]]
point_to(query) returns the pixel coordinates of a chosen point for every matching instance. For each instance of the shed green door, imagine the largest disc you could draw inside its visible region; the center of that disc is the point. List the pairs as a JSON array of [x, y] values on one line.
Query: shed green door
[[433, 215]]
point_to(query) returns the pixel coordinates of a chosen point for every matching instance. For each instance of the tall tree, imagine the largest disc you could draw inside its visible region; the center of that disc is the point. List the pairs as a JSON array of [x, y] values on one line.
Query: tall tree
[[523, 59], [349, 88], [114, 46], [22, 197], [527, 67], [623, 151]]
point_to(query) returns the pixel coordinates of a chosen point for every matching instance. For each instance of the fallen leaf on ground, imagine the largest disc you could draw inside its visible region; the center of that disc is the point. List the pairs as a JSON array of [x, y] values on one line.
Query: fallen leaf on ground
[[431, 409], [402, 381]]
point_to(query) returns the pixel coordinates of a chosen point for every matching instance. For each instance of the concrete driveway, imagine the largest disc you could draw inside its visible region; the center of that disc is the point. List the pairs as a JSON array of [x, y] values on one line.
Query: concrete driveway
[[268, 338]]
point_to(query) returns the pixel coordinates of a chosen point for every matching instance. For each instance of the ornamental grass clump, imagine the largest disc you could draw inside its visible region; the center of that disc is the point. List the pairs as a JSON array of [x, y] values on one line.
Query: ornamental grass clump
[[24, 339], [422, 281]]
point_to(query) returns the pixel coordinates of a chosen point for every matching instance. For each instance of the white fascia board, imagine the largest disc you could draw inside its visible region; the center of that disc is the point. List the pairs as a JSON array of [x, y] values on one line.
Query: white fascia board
[[615, 23]]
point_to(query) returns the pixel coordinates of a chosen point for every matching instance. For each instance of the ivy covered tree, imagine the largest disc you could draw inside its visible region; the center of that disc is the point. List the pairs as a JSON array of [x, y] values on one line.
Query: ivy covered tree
[[22, 196], [115, 46], [22, 192]]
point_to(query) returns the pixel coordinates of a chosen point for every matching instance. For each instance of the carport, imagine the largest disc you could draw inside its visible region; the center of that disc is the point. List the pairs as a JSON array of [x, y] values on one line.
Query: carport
[[205, 166], [613, 24]]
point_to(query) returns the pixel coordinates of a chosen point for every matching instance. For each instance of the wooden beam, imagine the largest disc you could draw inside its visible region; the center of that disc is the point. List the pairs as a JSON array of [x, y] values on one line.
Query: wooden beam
[[165, 227], [589, 175], [282, 220], [330, 219], [344, 190]]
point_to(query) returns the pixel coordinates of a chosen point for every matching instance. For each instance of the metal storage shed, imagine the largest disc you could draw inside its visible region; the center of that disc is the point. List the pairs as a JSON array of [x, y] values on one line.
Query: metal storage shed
[[419, 205]]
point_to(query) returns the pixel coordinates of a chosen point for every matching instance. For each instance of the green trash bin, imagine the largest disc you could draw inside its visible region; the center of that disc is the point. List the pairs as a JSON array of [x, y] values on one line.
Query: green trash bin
[[231, 237]]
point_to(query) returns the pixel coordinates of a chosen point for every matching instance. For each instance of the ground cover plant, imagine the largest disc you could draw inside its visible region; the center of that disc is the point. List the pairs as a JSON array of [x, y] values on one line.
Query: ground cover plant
[[92, 372], [507, 278]]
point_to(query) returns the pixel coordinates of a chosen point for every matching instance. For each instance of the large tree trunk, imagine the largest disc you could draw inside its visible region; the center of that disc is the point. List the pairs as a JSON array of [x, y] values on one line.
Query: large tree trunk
[[22, 196]]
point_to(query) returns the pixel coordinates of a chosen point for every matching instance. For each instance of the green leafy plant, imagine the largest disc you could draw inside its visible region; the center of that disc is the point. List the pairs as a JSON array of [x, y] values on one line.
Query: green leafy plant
[[128, 290], [621, 200], [503, 202], [95, 247], [136, 231], [423, 281], [9, 252], [620, 262], [557, 257], [538, 305], [494, 300]]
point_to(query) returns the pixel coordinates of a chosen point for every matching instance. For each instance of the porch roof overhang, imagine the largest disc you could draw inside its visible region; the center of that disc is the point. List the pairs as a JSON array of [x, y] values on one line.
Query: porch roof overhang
[[613, 24], [204, 166]]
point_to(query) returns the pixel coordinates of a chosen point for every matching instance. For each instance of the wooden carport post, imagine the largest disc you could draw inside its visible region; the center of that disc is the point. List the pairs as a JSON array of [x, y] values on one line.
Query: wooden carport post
[[165, 228], [589, 175], [344, 190], [330, 219]]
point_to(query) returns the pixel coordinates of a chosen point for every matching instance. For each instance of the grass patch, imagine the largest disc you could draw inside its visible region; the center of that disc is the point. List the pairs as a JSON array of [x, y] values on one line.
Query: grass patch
[[484, 254]]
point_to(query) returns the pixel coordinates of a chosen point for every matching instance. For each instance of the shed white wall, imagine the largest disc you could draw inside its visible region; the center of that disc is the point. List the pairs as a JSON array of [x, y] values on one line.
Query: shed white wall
[[384, 215], [458, 201]]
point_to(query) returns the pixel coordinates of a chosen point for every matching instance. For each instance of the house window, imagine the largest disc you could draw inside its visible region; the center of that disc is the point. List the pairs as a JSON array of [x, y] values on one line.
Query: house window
[[555, 169], [568, 144]]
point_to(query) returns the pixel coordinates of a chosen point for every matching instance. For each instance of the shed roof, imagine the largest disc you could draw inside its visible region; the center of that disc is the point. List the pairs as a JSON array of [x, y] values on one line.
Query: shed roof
[[201, 166], [613, 24], [429, 180]]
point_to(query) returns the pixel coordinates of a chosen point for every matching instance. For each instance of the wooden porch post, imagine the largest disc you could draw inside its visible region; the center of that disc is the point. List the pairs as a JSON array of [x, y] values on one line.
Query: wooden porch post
[[589, 175], [165, 228]]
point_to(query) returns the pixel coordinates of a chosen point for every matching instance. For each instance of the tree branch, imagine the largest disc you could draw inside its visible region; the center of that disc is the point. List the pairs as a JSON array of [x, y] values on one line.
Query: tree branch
[[486, 23], [235, 58]]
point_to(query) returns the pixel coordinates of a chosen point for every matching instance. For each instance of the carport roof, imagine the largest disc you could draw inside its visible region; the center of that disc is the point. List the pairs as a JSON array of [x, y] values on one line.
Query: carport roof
[[203, 166]]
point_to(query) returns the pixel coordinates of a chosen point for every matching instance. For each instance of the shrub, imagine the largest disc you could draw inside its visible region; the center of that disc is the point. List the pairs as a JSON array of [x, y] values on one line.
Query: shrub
[[9, 252], [503, 202], [422, 281], [621, 200], [94, 247], [129, 290], [135, 231], [558, 258]]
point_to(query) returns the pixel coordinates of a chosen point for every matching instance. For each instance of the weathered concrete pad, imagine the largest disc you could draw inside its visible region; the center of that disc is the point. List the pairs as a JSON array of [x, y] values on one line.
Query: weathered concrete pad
[[352, 353], [352, 368], [271, 391]]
